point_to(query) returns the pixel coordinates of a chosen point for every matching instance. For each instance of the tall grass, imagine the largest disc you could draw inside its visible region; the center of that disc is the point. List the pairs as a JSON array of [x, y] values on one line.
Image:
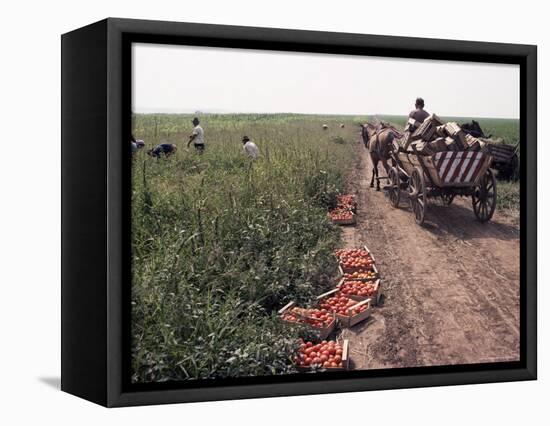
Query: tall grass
[[220, 242]]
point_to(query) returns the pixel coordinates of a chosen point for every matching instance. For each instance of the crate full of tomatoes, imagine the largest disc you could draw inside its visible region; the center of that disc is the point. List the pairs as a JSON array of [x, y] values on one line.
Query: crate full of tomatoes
[[360, 275], [348, 311], [347, 201], [342, 216], [355, 260], [360, 290], [320, 320], [326, 355]]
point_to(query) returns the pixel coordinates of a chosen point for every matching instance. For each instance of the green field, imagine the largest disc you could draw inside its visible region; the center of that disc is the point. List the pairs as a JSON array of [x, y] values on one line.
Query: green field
[[220, 242]]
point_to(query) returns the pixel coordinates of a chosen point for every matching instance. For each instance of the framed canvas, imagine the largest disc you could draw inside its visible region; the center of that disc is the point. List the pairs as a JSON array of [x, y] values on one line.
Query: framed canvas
[[255, 212]]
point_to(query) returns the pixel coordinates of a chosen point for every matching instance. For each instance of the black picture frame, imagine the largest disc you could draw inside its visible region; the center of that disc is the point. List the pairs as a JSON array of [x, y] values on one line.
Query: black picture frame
[[96, 90]]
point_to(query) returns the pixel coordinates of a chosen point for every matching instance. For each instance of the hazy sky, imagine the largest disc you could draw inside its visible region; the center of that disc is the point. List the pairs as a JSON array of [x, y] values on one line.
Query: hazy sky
[[186, 79]]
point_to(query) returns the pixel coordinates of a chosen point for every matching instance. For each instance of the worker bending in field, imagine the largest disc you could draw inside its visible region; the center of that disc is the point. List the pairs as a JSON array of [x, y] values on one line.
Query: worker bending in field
[[197, 137], [417, 116], [250, 148], [165, 149], [137, 144]]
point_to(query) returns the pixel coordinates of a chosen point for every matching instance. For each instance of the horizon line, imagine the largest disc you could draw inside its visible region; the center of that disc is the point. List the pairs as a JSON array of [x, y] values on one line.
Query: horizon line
[[199, 112]]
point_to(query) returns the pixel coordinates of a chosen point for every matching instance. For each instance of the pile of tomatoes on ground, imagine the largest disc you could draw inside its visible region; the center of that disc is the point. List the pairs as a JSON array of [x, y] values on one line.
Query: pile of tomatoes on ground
[[327, 354], [358, 288], [342, 305], [319, 318], [354, 259]]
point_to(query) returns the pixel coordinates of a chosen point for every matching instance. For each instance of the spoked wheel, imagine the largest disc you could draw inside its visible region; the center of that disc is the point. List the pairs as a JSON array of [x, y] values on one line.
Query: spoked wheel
[[394, 190], [448, 199], [417, 195], [484, 198]]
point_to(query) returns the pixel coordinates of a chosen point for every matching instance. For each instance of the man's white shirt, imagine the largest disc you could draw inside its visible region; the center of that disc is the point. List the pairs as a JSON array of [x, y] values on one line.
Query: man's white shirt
[[251, 149], [199, 135]]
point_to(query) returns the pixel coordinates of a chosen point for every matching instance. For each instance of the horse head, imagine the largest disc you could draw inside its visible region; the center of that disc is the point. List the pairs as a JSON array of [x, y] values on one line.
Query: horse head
[[367, 131], [473, 129]]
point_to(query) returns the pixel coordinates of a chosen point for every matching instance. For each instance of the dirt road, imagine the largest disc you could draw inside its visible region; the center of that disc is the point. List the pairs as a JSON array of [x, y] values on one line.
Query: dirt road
[[451, 288]]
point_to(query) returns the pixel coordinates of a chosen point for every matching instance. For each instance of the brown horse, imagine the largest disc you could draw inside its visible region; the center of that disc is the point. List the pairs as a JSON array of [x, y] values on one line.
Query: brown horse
[[378, 139]]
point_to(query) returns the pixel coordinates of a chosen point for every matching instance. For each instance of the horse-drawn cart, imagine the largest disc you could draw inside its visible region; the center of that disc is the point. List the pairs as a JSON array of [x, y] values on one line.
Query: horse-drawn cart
[[505, 160], [443, 175]]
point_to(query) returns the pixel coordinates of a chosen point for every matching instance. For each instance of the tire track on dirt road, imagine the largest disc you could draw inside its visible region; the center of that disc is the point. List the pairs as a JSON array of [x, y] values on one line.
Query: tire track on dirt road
[[450, 288]]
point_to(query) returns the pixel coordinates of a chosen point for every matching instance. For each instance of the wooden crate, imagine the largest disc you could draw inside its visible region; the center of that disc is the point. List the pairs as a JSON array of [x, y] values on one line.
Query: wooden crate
[[343, 270], [323, 332], [329, 293], [348, 321], [375, 298], [410, 162], [369, 252], [351, 270], [352, 206], [351, 221], [501, 152], [345, 358], [374, 278], [286, 308], [345, 361]]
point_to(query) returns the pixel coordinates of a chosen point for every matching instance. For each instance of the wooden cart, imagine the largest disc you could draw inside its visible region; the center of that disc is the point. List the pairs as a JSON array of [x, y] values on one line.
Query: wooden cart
[[443, 175], [505, 160]]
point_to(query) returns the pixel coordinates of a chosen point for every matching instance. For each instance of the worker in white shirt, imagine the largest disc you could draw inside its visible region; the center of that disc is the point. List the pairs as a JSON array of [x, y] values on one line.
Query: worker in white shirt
[[197, 137], [250, 148]]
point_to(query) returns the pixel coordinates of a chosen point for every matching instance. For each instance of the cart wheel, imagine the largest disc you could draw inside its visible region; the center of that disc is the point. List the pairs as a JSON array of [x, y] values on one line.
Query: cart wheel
[[484, 198], [395, 187], [448, 199], [417, 195]]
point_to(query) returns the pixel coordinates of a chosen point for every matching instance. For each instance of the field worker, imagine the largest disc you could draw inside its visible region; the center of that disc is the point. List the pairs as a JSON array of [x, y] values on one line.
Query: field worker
[[133, 142], [418, 115], [197, 137], [165, 149], [137, 144], [250, 148]]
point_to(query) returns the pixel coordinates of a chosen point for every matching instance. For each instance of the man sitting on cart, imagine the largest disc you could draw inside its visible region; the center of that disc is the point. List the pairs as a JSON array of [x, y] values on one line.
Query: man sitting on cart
[[417, 116]]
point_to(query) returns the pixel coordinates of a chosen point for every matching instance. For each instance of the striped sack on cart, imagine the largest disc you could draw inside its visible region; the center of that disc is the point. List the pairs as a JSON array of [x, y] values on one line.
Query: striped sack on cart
[[458, 166]]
